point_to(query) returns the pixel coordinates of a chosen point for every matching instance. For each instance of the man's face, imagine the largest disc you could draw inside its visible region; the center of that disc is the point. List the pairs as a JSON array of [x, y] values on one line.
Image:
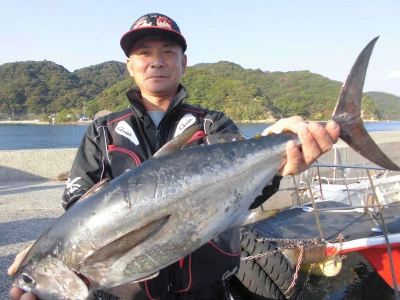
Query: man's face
[[156, 64]]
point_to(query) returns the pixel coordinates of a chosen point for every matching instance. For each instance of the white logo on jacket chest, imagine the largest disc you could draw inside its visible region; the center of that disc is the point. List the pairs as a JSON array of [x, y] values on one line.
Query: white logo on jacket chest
[[125, 130], [184, 123]]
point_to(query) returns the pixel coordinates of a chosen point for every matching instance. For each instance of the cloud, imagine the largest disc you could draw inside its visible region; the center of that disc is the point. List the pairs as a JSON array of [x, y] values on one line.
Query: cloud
[[395, 74]]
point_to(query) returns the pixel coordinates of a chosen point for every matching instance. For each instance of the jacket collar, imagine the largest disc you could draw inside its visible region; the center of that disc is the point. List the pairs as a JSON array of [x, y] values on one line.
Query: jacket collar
[[135, 98]]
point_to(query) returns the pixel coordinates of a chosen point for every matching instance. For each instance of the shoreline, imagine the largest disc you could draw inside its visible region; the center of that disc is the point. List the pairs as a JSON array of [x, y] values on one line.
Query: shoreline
[[37, 122]]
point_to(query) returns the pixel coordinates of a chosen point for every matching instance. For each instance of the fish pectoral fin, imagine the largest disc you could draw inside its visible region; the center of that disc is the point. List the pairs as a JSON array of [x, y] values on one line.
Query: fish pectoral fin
[[259, 216], [151, 276], [113, 250]]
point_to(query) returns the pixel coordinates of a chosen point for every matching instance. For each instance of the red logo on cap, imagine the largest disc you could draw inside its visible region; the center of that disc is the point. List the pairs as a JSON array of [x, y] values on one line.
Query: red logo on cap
[[164, 22]]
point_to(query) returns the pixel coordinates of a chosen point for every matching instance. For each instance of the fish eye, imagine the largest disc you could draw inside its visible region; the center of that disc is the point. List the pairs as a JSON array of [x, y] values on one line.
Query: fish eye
[[25, 278]]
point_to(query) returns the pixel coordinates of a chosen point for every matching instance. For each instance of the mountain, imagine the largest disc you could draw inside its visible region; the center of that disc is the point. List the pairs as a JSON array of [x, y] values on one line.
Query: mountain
[[99, 77], [246, 94], [43, 88], [388, 104]]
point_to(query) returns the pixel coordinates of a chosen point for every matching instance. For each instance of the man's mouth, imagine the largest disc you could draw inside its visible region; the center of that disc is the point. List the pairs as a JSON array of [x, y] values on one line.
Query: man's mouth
[[157, 76]]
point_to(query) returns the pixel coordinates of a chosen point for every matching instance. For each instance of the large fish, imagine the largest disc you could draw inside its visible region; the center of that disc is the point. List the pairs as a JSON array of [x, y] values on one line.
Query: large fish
[[169, 206]]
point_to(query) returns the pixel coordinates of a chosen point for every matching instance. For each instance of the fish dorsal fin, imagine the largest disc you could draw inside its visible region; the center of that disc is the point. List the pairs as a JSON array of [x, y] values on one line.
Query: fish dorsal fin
[[94, 189], [259, 216], [176, 143]]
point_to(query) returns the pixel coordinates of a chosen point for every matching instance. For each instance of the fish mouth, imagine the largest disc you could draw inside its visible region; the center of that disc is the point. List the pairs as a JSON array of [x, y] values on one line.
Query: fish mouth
[[84, 279], [25, 288]]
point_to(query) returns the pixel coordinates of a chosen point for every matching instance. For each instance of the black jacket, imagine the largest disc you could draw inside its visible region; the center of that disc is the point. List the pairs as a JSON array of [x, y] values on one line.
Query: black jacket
[[123, 140]]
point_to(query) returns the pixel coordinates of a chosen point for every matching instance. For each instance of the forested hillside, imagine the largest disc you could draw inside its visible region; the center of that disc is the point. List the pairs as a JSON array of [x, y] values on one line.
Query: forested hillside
[[249, 94], [43, 88], [388, 104]]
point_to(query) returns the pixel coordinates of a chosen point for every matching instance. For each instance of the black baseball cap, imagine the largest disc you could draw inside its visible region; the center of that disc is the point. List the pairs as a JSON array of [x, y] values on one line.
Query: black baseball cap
[[153, 24]]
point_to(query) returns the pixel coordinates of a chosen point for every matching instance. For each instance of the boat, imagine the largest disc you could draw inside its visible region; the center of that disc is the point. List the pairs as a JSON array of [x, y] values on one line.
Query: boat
[[331, 217]]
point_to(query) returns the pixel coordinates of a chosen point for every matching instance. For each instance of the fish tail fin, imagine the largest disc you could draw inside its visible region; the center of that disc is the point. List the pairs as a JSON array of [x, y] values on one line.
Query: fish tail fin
[[347, 113]]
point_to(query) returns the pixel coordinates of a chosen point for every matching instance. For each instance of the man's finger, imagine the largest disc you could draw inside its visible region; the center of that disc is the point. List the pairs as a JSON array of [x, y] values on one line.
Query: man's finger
[[15, 293], [294, 160], [322, 135], [18, 294], [333, 130], [285, 124], [310, 146], [18, 259]]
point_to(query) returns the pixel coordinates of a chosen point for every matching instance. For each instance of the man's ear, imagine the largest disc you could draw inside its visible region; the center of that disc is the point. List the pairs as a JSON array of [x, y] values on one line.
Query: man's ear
[[184, 63], [129, 66]]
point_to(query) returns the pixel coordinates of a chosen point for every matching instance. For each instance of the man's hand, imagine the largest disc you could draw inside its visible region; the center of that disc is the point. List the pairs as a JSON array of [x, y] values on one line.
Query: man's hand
[[16, 293], [315, 138]]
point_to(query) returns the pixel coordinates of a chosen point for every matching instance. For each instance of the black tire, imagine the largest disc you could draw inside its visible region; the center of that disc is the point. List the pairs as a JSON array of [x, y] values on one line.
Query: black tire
[[268, 277]]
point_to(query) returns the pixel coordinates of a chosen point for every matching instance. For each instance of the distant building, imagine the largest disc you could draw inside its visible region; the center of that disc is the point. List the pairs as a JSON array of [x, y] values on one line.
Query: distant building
[[83, 118]]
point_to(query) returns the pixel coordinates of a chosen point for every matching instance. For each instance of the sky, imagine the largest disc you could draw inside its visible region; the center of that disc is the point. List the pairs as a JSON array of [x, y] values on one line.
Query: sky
[[324, 37]]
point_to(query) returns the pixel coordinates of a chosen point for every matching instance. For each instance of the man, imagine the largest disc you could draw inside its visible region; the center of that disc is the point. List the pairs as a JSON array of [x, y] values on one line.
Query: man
[[155, 50]]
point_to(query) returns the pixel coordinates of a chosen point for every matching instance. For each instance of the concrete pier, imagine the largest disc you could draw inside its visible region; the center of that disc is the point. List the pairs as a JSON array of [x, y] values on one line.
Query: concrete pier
[[30, 194], [34, 165]]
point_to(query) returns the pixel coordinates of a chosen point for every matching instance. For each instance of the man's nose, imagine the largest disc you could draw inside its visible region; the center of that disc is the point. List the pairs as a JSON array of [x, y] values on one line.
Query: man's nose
[[157, 61]]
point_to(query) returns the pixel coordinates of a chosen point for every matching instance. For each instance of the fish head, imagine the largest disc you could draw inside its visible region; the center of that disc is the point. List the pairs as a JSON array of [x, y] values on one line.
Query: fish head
[[51, 278]]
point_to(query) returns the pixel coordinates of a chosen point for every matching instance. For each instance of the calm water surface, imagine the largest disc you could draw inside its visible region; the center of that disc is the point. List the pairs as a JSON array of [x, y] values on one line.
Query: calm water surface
[[17, 136], [20, 136], [251, 129]]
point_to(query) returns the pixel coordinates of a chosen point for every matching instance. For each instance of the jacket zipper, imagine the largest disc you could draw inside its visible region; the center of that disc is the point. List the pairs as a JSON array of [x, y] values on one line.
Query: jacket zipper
[[158, 140]]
